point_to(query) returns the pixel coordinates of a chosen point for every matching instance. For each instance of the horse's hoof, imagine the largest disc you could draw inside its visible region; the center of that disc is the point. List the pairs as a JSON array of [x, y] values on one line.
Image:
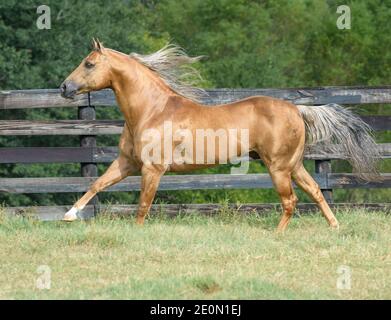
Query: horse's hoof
[[140, 222], [335, 226], [71, 215]]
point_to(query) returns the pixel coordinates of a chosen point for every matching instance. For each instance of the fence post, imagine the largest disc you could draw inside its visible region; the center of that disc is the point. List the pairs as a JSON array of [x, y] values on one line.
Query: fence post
[[89, 169], [324, 166]]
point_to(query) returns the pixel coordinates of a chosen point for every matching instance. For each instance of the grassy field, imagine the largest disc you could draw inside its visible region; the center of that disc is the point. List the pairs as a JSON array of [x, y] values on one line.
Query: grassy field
[[227, 256]]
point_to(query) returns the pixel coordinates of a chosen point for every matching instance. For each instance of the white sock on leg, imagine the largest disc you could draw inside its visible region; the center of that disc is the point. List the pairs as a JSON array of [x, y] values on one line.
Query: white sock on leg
[[71, 214]]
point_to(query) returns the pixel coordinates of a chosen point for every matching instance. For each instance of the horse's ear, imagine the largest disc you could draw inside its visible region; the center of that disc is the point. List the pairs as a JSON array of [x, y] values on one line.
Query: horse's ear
[[97, 45], [94, 44]]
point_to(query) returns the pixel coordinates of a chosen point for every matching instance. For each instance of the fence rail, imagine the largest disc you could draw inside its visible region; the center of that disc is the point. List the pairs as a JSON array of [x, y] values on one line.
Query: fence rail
[[50, 98], [98, 127], [182, 182], [89, 155], [108, 154]]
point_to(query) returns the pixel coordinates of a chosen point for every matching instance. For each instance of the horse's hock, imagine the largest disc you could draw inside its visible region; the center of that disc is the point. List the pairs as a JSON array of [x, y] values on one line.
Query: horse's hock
[[88, 154]]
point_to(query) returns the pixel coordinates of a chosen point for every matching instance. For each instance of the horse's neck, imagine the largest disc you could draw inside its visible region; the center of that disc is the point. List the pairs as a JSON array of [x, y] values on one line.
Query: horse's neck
[[139, 94]]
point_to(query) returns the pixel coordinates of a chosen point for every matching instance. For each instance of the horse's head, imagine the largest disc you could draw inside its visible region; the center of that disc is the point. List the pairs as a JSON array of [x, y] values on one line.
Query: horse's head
[[92, 74]]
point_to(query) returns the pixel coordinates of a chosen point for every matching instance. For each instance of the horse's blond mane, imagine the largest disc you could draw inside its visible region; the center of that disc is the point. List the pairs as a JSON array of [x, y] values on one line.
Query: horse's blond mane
[[173, 66]]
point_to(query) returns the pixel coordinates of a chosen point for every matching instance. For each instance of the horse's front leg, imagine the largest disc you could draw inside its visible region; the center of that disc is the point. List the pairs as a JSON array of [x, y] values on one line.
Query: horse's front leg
[[118, 170], [150, 178]]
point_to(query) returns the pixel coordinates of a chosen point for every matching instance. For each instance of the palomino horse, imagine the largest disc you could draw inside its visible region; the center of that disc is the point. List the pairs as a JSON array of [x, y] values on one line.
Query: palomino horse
[[152, 90]]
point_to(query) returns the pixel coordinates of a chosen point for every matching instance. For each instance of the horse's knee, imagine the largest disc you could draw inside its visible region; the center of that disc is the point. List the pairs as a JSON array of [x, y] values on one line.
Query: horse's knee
[[97, 187], [94, 189]]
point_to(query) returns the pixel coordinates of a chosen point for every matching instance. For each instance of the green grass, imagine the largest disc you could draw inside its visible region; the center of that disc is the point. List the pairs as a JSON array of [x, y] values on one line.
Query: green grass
[[226, 256]]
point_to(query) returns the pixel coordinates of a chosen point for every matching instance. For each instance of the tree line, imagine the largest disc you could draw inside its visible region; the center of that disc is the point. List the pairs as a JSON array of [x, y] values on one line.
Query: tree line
[[247, 44]]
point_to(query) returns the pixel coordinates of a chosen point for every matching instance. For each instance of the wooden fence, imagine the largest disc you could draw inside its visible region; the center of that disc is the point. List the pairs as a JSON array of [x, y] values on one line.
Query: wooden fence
[[89, 155]]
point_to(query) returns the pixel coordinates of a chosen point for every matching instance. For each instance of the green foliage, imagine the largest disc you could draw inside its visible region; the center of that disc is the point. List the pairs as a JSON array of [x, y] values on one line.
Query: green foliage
[[248, 43]]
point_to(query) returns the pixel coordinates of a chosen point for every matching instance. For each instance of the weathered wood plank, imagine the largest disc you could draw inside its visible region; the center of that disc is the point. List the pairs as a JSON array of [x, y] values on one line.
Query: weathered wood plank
[[181, 182], [168, 182], [307, 96], [38, 98], [105, 154], [320, 152], [52, 213], [100, 127], [324, 166], [378, 123], [108, 154], [41, 98], [46, 155], [60, 127], [48, 213], [349, 180]]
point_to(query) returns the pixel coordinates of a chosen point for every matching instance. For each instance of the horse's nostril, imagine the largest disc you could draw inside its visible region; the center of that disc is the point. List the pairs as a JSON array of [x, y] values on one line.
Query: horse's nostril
[[68, 89], [63, 87]]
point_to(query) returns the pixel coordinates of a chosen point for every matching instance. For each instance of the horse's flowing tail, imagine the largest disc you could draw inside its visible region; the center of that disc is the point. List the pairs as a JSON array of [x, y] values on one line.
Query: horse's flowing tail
[[341, 131]]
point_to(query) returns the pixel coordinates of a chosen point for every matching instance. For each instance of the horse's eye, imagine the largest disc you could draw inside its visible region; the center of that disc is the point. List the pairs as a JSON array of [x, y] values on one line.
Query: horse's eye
[[89, 65]]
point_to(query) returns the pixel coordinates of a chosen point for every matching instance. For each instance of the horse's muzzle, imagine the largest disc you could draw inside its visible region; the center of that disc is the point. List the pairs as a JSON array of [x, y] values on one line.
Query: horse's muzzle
[[68, 89]]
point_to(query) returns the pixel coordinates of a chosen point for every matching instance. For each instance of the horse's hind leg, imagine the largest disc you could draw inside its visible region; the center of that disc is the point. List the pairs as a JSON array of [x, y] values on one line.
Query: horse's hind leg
[[283, 185], [304, 180]]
